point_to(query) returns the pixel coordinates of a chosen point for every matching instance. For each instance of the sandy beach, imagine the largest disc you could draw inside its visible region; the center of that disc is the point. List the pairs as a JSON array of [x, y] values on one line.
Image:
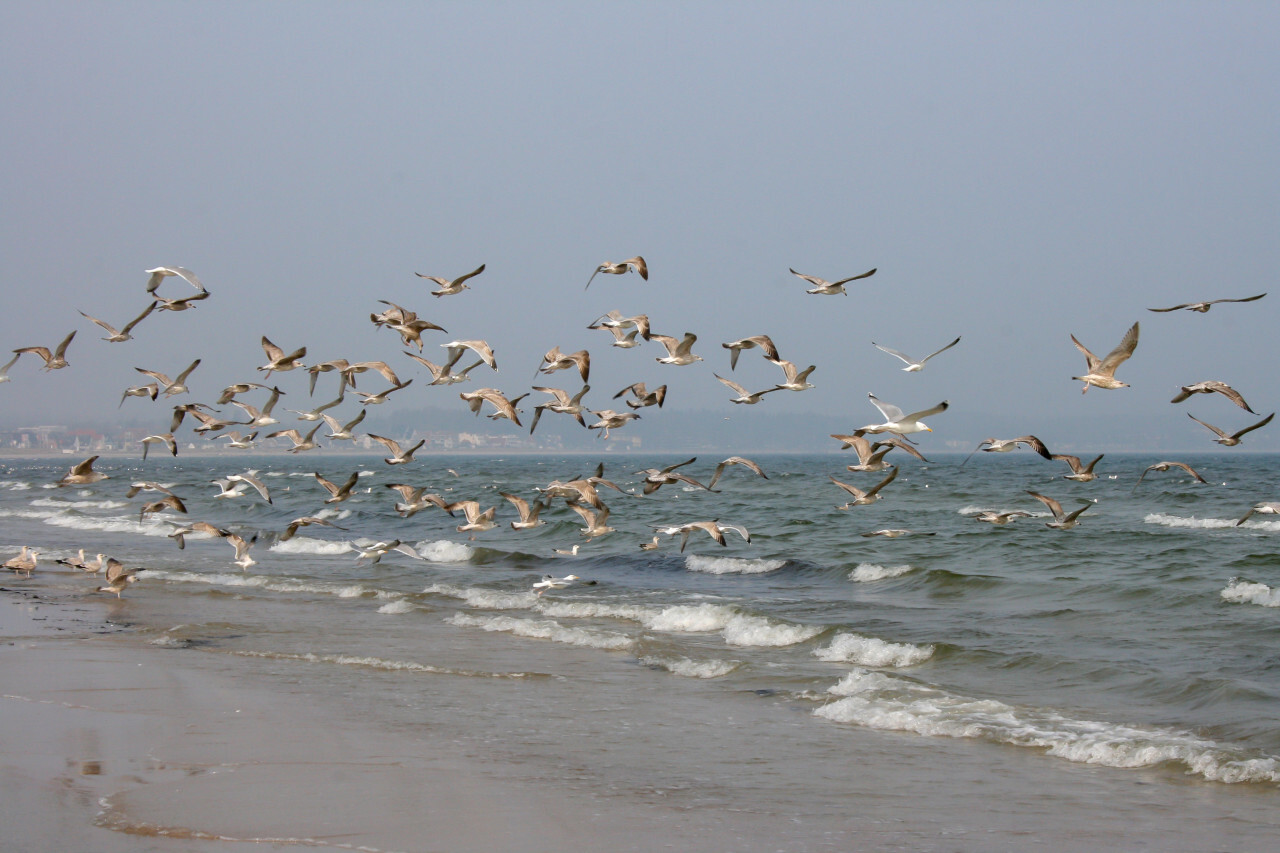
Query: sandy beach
[[112, 745]]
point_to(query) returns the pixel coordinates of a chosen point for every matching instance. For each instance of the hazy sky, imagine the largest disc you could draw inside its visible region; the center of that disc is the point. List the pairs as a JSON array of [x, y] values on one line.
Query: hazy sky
[[1017, 172]]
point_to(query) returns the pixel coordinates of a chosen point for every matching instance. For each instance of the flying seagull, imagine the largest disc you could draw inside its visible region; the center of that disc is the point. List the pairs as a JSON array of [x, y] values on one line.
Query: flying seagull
[[828, 288], [1101, 371], [1004, 445], [913, 366], [448, 288], [1233, 439], [1209, 386], [897, 422], [1203, 307], [1061, 520], [620, 268], [1165, 466]]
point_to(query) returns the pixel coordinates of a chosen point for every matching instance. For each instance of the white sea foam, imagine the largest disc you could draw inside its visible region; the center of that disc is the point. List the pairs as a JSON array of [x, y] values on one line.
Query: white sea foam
[[307, 545], [264, 582], [687, 668], [444, 551], [881, 701], [58, 503], [15, 485], [112, 524], [1251, 592], [1199, 523], [866, 572], [731, 565], [760, 631], [377, 663], [399, 605], [869, 651], [485, 599], [593, 610], [545, 629]]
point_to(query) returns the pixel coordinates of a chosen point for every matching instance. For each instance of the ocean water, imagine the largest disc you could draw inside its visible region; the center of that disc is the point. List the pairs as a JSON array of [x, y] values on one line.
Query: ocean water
[[1128, 666]]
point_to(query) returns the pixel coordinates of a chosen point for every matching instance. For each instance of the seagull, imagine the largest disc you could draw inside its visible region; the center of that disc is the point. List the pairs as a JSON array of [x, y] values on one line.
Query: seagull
[[477, 521], [52, 360], [317, 413], [1203, 307], [1001, 518], [375, 552], [235, 440], [171, 386], [794, 381], [342, 432], [117, 577], [765, 343], [414, 499], [897, 422], [120, 335], [529, 512], [1233, 439], [1165, 466], [278, 361], [300, 442], [829, 288], [159, 274], [1061, 520], [480, 348], [550, 582], [1101, 372], [232, 479], [650, 546], [616, 323], [304, 521], [25, 562], [1004, 445], [714, 529], [166, 439], [367, 399], [442, 374], [242, 546], [870, 496], [745, 396], [261, 417], [893, 533], [4, 371], [568, 552], [871, 456], [595, 519], [556, 360], [678, 352], [145, 486], [1079, 472], [505, 408], [338, 364], [735, 460], [180, 534], [337, 494], [448, 288], [655, 478], [609, 419], [637, 263], [381, 367], [229, 393], [563, 404], [398, 456], [643, 396], [151, 389], [1209, 386], [82, 474], [172, 502], [1267, 508], [182, 303], [912, 365]]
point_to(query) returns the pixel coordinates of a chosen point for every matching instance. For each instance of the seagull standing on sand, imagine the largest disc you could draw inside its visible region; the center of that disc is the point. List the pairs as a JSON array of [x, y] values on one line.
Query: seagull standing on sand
[[913, 366], [117, 577], [1101, 371]]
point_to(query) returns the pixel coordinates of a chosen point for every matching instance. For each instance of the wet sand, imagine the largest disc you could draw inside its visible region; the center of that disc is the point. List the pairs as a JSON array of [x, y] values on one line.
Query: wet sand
[[111, 745]]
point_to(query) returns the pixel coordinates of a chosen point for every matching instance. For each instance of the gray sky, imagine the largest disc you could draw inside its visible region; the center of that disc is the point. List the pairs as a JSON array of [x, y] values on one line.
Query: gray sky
[[1017, 172]]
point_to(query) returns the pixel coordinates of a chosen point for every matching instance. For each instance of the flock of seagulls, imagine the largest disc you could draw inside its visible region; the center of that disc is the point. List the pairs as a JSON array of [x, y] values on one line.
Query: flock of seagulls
[[580, 494]]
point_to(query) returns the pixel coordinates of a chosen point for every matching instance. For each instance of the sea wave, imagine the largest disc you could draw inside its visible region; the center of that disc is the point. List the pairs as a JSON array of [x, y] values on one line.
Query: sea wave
[[271, 584], [880, 701], [444, 551], [1251, 592], [307, 545], [485, 599], [378, 663], [866, 572], [869, 651], [59, 503], [731, 565], [545, 629], [1167, 520], [688, 668]]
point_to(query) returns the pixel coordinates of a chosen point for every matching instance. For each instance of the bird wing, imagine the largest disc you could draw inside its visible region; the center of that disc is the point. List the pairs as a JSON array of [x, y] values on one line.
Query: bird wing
[[890, 412], [1122, 351], [893, 352]]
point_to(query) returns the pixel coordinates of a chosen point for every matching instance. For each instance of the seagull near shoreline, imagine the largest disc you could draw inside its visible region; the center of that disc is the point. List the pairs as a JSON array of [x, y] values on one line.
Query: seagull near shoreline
[[897, 422]]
